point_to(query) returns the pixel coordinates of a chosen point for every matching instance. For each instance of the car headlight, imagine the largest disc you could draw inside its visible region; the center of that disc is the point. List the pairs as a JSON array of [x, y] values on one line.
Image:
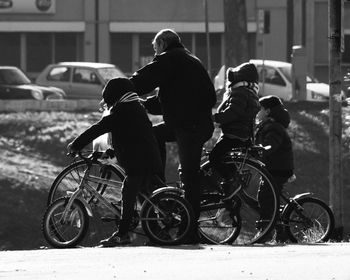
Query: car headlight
[[37, 94]]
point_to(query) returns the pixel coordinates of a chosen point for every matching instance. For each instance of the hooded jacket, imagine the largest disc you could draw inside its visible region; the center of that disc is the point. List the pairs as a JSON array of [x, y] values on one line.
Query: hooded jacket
[[236, 114], [186, 93], [273, 132], [132, 138]]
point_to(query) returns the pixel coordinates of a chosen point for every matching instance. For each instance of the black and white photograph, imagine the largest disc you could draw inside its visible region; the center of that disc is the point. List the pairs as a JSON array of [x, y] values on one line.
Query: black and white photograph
[[175, 139]]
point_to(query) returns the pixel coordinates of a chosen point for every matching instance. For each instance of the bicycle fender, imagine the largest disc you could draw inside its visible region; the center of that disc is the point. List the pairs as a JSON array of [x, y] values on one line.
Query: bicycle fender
[[87, 206], [175, 190], [291, 204], [301, 195]]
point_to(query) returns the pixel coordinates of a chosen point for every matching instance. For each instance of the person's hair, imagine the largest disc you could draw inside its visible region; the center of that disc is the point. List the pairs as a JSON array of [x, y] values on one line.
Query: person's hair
[[115, 89], [168, 36]]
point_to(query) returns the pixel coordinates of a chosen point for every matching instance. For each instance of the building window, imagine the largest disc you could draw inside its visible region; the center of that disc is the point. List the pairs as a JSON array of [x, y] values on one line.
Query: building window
[[215, 50], [39, 51], [65, 47], [121, 51], [146, 48], [10, 52]]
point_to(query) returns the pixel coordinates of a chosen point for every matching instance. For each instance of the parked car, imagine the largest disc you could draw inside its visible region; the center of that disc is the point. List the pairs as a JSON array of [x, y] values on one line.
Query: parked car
[[14, 84], [278, 81], [79, 80]]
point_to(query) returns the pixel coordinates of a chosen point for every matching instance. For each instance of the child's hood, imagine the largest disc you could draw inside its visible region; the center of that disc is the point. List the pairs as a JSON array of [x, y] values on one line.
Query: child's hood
[[280, 115]]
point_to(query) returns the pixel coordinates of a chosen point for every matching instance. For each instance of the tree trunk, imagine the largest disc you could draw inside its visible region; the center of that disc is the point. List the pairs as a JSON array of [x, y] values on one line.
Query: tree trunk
[[236, 35]]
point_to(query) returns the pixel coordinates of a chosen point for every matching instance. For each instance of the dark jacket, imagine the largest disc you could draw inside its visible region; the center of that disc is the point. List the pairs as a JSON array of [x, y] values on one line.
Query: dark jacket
[[186, 93], [236, 114], [273, 132], [132, 138]]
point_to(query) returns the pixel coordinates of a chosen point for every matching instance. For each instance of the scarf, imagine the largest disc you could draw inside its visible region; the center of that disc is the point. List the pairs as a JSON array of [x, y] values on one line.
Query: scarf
[[251, 86]]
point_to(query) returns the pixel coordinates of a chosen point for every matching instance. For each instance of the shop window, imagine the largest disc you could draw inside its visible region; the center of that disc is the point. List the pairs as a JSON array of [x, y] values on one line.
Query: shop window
[[121, 51], [39, 51], [10, 49], [215, 50], [146, 48], [65, 47], [346, 53]]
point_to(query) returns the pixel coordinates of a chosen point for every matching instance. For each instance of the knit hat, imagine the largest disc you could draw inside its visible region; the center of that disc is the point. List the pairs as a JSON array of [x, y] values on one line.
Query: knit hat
[[245, 72], [270, 101], [115, 89]]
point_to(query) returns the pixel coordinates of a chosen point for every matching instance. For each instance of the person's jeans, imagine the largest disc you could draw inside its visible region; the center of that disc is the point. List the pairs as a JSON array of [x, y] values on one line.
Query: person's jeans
[[190, 140], [132, 184]]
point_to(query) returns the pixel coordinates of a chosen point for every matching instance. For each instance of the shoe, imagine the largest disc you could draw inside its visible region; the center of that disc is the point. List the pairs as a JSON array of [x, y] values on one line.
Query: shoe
[[192, 239], [116, 240], [230, 187]]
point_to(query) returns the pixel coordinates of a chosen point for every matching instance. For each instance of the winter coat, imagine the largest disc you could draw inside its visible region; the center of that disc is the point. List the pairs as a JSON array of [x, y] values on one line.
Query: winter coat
[[236, 114], [132, 138], [273, 132], [186, 93]]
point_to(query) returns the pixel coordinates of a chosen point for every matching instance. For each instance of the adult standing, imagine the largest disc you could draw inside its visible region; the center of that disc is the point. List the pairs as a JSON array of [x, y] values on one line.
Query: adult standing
[[186, 97]]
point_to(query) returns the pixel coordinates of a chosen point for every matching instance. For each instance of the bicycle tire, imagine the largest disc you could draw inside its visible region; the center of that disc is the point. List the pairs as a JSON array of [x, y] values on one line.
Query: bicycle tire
[[255, 174], [218, 222], [314, 224], [69, 179], [173, 227], [68, 234]]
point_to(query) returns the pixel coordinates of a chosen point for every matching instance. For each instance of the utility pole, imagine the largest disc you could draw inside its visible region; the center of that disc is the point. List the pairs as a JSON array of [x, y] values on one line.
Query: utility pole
[[335, 116], [207, 36]]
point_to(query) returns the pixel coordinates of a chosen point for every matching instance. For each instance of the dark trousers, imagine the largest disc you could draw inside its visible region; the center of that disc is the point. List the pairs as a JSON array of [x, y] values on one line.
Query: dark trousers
[[133, 183], [221, 148], [264, 194], [190, 140]]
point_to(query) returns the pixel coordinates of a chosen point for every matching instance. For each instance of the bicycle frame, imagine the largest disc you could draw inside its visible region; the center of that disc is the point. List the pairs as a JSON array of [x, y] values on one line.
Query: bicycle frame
[[95, 195]]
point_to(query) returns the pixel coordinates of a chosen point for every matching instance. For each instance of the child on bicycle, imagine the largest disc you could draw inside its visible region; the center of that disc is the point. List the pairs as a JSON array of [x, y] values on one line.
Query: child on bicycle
[[236, 117], [273, 121], [134, 143]]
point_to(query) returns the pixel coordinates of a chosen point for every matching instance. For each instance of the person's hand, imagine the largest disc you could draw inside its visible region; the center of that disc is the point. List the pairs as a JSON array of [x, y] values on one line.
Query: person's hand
[[70, 148]]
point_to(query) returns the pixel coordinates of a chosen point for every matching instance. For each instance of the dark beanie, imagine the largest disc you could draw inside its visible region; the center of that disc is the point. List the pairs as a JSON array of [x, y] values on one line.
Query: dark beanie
[[115, 89], [270, 101], [244, 72]]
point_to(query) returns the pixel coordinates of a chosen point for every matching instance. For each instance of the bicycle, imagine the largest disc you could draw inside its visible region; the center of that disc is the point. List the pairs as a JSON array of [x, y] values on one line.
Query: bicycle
[[166, 217], [236, 220], [221, 221], [303, 218]]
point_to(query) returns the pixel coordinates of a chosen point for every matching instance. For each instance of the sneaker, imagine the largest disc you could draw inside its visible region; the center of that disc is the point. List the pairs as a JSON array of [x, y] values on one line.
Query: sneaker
[[116, 240], [230, 187]]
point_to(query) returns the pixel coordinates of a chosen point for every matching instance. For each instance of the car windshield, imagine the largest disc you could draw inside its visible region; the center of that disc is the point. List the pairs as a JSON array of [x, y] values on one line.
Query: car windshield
[[13, 76], [287, 72], [109, 73]]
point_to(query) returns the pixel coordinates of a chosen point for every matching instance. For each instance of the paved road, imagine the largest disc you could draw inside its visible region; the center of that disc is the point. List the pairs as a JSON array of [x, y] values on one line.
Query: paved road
[[323, 261]]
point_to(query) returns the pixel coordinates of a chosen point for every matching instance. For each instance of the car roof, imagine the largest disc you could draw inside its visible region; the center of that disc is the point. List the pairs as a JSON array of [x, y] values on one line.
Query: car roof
[[8, 67], [273, 63], [86, 64]]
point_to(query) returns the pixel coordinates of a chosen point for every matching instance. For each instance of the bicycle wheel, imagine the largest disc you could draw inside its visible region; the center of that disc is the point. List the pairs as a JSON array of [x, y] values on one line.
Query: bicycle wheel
[[69, 233], [309, 221], [166, 218], [219, 223], [255, 178], [68, 181]]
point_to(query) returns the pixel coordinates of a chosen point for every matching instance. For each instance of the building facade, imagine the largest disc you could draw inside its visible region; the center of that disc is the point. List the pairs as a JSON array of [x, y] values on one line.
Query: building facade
[[34, 33]]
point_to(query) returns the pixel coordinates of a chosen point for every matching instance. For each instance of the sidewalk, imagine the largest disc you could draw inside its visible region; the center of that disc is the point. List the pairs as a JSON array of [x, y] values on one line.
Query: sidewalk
[[322, 261]]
